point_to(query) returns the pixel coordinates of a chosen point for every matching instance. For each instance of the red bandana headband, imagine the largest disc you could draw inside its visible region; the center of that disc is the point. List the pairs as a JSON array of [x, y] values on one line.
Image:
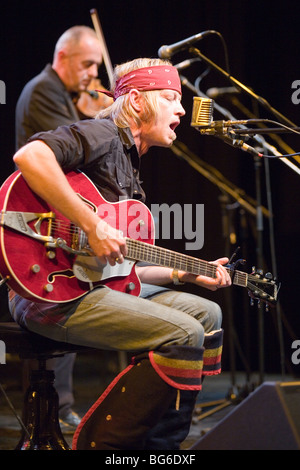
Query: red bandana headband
[[158, 77]]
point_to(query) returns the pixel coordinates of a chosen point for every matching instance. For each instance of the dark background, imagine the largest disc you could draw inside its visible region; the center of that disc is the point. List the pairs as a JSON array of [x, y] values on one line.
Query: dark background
[[262, 39]]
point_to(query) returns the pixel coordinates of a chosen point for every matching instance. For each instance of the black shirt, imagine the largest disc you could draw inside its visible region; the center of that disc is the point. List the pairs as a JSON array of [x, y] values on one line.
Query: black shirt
[[105, 153], [44, 104]]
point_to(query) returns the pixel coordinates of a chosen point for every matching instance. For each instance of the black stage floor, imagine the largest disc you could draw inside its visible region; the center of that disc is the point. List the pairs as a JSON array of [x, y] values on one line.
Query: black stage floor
[[94, 371]]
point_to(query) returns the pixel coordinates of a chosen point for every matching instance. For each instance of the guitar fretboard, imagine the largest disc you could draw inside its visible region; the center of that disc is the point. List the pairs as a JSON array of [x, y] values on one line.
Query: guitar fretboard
[[140, 251]]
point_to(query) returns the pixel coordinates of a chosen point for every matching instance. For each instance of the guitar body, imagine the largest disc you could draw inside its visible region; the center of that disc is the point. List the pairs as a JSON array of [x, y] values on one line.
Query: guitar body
[[43, 272]]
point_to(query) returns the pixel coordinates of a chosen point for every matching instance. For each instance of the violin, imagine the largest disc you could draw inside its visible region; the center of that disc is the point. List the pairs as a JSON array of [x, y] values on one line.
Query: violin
[[90, 102]]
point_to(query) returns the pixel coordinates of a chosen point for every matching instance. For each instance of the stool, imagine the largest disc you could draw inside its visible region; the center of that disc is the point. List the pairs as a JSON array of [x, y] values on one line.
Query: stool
[[40, 411]]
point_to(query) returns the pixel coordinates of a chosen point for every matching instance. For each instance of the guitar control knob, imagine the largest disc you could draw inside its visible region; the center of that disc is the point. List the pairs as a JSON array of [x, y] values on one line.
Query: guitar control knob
[[51, 254], [48, 288], [130, 286], [35, 268]]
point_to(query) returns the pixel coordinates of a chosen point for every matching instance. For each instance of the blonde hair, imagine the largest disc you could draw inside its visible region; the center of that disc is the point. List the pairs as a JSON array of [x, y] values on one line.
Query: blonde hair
[[120, 111]]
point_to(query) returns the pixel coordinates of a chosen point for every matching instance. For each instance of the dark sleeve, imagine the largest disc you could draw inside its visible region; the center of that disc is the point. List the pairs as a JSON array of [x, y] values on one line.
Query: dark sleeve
[[79, 144], [49, 109], [43, 105]]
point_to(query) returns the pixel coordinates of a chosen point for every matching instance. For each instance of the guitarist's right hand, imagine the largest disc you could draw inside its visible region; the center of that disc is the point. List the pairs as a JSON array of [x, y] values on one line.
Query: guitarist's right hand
[[107, 243]]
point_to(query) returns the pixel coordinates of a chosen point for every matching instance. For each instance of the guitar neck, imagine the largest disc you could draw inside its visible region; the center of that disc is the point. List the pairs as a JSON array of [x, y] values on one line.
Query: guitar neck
[[140, 251]]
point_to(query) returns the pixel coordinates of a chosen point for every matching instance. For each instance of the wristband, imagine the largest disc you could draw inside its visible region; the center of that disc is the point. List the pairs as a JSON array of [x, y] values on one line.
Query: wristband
[[175, 278]]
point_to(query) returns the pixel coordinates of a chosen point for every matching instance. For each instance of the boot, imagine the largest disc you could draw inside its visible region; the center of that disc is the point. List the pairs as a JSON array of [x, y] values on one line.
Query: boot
[[124, 413], [174, 426], [138, 398]]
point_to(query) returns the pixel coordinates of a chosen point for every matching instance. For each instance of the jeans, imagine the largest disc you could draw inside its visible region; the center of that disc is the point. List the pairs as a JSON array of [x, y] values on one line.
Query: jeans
[[111, 320]]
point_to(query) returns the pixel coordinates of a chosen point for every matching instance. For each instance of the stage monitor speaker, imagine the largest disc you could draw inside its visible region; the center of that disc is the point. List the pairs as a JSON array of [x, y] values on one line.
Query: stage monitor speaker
[[268, 419]]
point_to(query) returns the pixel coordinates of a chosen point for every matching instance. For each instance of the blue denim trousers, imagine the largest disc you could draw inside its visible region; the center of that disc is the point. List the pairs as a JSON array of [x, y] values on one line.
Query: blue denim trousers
[[111, 320]]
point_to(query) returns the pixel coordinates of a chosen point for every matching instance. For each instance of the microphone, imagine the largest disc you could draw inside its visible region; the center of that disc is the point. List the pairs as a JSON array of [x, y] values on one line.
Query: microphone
[[202, 118], [186, 63], [202, 114], [215, 92], [166, 52]]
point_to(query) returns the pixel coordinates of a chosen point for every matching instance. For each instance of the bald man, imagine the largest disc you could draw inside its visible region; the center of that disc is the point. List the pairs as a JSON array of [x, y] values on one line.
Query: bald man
[[49, 99]]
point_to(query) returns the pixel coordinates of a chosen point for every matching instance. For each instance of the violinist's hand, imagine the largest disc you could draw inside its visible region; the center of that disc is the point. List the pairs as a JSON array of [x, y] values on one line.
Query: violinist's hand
[[90, 105], [222, 278]]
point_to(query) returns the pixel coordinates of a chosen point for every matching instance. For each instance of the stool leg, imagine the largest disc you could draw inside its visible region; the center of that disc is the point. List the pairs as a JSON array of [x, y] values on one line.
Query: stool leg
[[41, 415]]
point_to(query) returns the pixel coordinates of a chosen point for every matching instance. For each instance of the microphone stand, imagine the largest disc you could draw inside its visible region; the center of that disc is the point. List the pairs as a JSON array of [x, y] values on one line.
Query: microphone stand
[[286, 148], [282, 144], [215, 177], [243, 201], [271, 130], [257, 165], [243, 87], [250, 92], [258, 212], [246, 204]]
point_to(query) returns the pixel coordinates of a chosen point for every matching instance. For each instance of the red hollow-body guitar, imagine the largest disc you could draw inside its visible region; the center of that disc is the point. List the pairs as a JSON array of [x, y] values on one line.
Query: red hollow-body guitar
[[45, 258]]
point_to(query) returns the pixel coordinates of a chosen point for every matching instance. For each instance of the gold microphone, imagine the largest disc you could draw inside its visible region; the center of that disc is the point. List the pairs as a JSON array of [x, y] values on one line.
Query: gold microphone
[[202, 113]]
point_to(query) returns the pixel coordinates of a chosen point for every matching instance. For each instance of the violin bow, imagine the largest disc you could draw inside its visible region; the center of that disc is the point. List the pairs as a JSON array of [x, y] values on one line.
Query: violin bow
[[99, 32]]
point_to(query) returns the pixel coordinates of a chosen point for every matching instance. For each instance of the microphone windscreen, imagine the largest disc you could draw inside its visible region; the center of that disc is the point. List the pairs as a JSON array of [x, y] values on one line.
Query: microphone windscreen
[[202, 113]]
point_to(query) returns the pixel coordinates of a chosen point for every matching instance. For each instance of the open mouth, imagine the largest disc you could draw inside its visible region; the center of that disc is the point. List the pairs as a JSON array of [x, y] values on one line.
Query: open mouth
[[173, 125]]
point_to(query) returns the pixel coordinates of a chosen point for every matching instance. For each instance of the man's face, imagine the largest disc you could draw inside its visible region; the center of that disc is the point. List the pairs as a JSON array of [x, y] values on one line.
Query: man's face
[[81, 65], [161, 132]]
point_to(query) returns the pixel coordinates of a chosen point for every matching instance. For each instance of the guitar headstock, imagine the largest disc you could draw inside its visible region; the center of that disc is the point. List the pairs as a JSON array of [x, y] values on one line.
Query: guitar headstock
[[263, 287]]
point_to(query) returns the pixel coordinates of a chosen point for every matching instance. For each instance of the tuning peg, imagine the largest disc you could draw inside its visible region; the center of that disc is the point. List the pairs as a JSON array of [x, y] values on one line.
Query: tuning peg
[[269, 276], [257, 272], [253, 270]]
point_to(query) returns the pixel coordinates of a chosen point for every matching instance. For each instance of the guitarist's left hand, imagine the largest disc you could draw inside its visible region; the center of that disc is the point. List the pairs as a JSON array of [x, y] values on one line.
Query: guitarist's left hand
[[160, 276], [222, 278]]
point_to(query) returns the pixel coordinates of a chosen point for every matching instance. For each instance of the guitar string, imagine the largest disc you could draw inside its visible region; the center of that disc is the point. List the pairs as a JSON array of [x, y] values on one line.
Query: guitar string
[[158, 255], [145, 250], [190, 264], [142, 251]]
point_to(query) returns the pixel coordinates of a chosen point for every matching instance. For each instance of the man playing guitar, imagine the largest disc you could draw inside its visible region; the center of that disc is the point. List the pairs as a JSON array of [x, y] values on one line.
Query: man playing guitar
[[175, 337]]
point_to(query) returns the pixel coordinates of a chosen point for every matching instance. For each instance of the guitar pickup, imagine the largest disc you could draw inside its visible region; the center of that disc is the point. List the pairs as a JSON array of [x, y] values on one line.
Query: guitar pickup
[[19, 221]]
